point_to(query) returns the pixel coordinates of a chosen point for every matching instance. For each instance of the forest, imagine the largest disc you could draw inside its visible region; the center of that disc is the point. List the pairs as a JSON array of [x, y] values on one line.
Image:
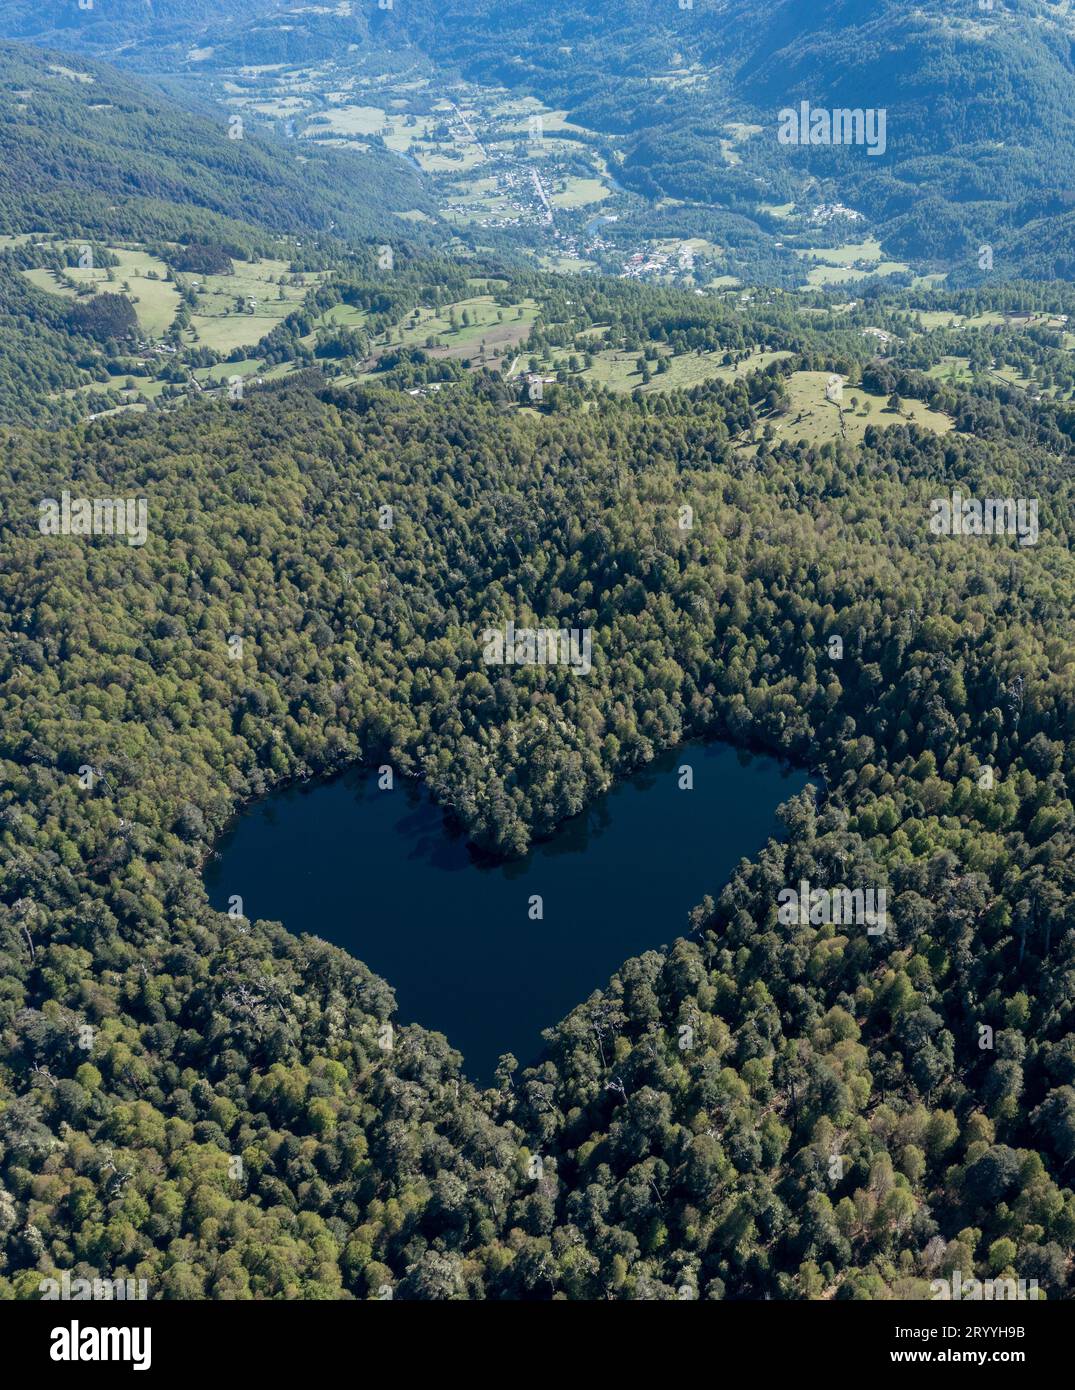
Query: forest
[[763, 1109], [201, 1101]]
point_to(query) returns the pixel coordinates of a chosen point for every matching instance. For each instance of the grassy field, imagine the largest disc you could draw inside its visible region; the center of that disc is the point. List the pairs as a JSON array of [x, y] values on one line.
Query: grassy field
[[402, 136], [1011, 377], [277, 108], [465, 341], [140, 276], [217, 321], [345, 314], [225, 334], [580, 192], [155, 298], [951, 369], [855, 260], [249, 366], [938, 318], [698, 244], [814, 418], [444, 159], [987, 320], [143, 386], [618, 370], [565, 265], [46, 280], [72, 76], [353, 120], [739, 134], [848, 254]]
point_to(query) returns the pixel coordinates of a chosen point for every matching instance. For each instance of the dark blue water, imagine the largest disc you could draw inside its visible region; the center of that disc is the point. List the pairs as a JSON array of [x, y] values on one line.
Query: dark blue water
[[381, 874]]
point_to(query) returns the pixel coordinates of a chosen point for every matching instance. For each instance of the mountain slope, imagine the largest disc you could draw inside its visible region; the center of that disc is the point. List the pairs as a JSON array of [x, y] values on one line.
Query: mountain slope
[[980, 104], [767, 1109], [105, 25], [93, 154], [135, 161]]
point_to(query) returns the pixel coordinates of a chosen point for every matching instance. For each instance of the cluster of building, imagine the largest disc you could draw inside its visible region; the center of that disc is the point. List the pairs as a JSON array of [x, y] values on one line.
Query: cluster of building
[[650, 263], [147, 349], [828, 212]]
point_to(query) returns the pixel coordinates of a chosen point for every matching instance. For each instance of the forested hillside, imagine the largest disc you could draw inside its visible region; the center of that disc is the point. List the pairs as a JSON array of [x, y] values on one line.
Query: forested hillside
[[706, 1167], [366, 430], [111, 24], [87, 149], [97, 157]]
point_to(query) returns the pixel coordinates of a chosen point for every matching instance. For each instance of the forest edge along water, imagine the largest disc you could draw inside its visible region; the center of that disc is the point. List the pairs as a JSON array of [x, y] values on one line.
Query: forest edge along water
[[490, 953]]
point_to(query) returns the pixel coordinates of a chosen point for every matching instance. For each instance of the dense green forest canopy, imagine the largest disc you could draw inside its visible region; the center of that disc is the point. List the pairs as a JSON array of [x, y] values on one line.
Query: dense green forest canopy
[[767, 1108], [707, 1168]]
